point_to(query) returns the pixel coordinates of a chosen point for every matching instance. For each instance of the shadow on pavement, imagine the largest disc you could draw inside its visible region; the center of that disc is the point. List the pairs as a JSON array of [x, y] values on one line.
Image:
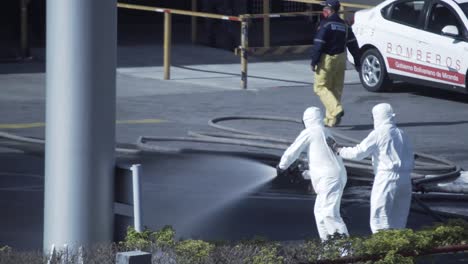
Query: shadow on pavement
[[412, 124], [431, 92]]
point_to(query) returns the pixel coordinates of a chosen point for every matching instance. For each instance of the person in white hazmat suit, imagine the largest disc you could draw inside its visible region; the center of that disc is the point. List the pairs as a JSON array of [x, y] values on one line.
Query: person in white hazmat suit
[[326, 170], [393, 161]]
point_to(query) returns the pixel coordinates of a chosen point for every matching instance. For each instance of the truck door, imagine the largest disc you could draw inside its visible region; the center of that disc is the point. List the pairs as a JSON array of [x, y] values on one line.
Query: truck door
[[443, 57], [405, 21]]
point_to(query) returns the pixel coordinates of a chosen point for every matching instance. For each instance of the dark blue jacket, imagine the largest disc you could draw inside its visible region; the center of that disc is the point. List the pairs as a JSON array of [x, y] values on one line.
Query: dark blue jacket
[[333, 36]]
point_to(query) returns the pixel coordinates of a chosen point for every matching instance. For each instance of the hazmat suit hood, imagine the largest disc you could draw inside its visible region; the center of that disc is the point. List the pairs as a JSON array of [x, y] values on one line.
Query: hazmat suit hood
[[312, 117], [383, 115]]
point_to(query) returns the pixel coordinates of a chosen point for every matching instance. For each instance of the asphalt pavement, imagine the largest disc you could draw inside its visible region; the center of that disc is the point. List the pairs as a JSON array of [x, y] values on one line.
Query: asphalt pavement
[[205, 84]]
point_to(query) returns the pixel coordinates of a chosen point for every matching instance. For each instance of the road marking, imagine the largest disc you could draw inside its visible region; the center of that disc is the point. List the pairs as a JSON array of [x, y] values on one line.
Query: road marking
[[140, 121], [21, 126], [119, 122]]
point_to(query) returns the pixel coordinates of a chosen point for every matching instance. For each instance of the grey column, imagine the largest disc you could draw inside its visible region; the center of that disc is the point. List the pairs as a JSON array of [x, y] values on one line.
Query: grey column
[[80, 118]]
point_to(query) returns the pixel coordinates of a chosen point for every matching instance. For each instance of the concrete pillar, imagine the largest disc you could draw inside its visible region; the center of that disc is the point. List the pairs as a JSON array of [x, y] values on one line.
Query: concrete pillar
[[80, 122]]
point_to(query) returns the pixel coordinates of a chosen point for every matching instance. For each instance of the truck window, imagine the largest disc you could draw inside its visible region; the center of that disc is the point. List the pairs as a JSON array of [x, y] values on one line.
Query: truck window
[[464, 7], [407, 12], [441, 16]]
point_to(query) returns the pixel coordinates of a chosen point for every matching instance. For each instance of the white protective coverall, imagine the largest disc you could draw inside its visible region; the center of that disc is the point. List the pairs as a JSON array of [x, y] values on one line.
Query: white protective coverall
[[393, 161], [327, 172]]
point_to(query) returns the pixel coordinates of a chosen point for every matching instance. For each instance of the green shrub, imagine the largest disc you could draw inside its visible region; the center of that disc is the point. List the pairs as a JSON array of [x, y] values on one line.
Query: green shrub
[[137, 240], [165, 237], [390, 245], [392, 257], [268, 254], [145, 239], [383, 241], [193, 251], [5, 249], [255, 241]]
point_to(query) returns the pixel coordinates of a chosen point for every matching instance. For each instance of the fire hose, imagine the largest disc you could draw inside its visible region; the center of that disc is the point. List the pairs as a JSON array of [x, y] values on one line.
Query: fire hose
[[428, 171]]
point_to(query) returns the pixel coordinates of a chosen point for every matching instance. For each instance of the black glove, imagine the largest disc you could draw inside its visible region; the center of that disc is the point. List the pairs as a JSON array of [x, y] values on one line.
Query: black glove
[[333, 145], [279, 171]]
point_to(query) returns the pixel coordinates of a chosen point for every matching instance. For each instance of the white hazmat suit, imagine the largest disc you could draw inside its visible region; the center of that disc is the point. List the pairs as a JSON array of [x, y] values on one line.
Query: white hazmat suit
[[326, 169], [393, 161]]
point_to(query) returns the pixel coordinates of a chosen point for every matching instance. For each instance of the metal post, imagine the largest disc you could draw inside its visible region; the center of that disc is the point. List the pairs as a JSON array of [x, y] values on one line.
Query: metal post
[[266, 23], [167, 44], [80, 117], [194, 22], [136, 185], [244, 47], [52, 255], [25, 52]]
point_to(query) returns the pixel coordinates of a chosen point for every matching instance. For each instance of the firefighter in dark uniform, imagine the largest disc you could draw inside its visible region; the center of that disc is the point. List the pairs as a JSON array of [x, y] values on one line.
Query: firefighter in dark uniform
[[329, 60]]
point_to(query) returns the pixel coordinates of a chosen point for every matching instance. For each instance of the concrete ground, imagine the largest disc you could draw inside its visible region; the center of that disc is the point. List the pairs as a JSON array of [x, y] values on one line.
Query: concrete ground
[[205, 85]]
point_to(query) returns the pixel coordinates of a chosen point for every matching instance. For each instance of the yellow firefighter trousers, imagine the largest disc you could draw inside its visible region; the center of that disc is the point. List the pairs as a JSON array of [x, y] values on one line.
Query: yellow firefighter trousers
[[328, 85]]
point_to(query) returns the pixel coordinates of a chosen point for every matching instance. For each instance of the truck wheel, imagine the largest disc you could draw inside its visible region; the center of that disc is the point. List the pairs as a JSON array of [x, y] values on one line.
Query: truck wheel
[[373, 72]]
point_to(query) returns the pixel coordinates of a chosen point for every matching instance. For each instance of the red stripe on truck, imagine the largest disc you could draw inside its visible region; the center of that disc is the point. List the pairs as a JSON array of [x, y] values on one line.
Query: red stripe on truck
[[426, 71]]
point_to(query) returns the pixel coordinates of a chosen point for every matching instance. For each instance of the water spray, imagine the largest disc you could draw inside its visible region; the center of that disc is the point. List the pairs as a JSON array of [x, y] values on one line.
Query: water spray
[[433, 177]]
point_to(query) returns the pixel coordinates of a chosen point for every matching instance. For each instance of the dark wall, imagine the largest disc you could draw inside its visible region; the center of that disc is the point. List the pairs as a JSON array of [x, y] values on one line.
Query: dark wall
[[10, 18], [127, 16], [9, 21], [225, 7]]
